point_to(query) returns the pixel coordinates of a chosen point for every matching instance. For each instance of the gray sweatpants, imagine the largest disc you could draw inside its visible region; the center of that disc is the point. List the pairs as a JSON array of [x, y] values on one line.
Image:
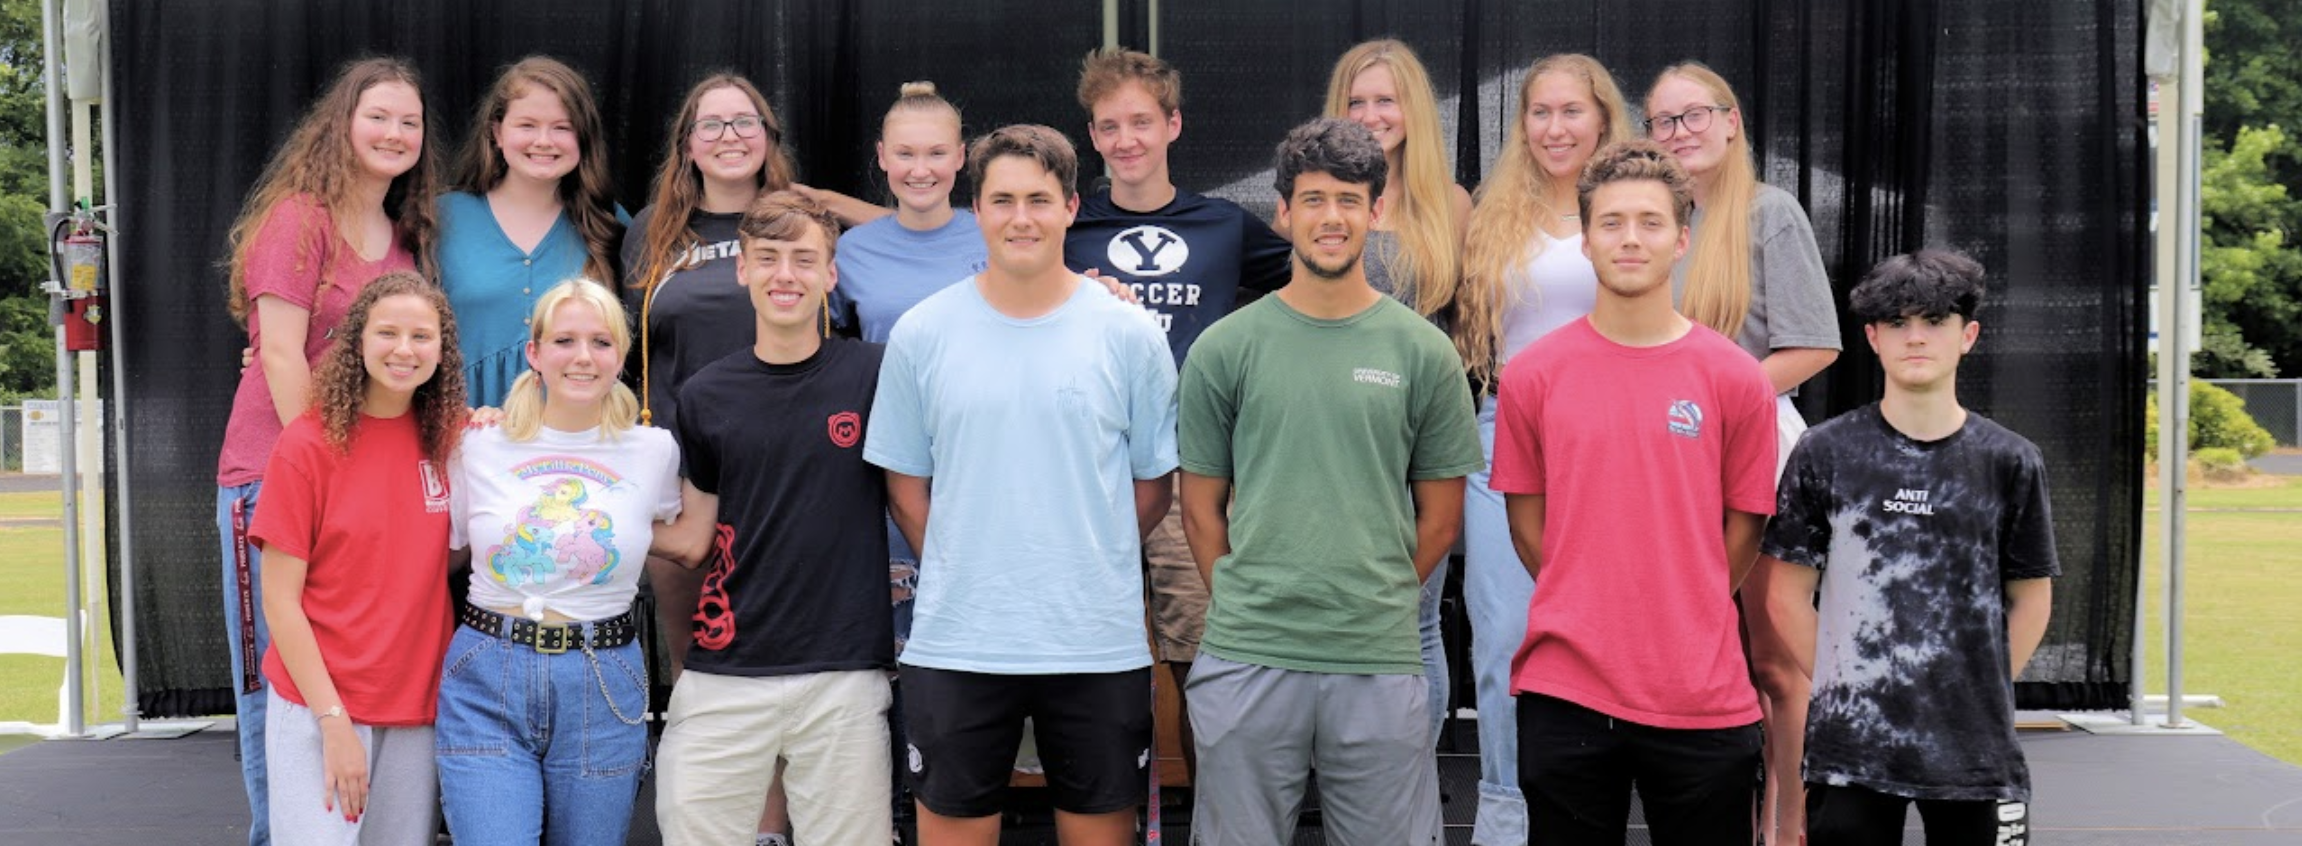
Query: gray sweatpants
[[1261, 730], [403, 783]]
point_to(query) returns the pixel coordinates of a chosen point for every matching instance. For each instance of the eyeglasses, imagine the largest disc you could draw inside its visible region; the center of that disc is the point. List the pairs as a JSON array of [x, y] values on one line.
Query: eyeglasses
[[745, 126], [1697, 119]]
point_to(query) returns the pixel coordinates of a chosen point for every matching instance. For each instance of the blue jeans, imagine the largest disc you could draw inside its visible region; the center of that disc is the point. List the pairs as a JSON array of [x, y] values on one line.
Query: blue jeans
[[540, 748], [1434, 649], [246, 641], [1496, 591]]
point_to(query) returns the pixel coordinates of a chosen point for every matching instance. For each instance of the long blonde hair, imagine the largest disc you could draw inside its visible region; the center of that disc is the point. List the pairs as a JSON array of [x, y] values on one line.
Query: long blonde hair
[[1427, 265], [1717, 293], [1511, 207], [524, 407]]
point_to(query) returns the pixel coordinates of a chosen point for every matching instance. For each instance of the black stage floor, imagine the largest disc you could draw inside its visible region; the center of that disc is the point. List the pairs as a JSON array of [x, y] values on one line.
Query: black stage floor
[[2092, 790]]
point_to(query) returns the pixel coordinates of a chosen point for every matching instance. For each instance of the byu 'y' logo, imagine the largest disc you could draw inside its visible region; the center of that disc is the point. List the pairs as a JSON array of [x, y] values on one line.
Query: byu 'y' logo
[[1148, 251]]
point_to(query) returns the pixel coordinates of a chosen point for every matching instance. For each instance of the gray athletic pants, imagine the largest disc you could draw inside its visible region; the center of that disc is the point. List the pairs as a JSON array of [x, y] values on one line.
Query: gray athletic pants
[[403, 783], [1262, 730]]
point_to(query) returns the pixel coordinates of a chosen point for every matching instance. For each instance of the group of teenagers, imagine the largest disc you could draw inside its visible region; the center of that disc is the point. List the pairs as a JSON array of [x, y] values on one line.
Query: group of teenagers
[[902, 479]]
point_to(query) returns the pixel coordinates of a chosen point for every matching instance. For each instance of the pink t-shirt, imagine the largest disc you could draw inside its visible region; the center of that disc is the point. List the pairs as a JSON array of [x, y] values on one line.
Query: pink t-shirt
[[285, 261], [1638, 452]]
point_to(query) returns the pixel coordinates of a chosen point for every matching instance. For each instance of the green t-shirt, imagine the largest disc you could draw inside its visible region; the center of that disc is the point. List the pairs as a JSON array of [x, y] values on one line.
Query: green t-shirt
[[1321, 425]]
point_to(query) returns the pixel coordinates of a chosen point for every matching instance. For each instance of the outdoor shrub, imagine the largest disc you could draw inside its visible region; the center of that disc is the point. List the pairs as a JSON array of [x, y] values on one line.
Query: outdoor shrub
[[2218, 419], [2220, 462]]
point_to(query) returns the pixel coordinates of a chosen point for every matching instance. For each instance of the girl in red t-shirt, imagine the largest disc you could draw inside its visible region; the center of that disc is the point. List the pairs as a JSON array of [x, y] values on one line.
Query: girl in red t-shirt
[[349, 197], [355, 536]]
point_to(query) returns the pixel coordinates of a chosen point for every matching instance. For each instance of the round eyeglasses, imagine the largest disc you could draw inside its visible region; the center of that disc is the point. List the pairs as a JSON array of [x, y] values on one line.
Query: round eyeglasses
[[745, 126], [1697, 119]]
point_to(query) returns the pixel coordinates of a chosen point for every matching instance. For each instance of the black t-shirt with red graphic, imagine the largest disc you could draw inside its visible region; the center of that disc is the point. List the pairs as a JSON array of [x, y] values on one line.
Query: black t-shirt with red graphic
[[798, 573]]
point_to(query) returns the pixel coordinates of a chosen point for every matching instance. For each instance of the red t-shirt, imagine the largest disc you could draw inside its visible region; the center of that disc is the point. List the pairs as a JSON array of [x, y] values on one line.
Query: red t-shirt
[[1638, 451], [285, 261], [373, 526]]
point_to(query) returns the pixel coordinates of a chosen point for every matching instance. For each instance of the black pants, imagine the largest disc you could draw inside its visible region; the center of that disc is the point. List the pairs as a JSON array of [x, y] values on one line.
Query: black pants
[[1855, 815], [1577, 767]]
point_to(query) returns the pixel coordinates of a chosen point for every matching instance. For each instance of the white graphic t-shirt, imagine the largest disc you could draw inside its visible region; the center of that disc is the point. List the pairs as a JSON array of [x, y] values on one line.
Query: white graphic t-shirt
[[561, 523]]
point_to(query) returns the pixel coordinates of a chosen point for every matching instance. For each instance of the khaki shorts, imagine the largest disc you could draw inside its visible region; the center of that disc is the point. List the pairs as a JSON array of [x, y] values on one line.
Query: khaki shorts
[[1178, 595]]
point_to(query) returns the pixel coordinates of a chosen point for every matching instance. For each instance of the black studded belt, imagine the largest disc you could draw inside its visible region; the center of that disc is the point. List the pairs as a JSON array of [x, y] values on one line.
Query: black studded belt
[[550, 639]]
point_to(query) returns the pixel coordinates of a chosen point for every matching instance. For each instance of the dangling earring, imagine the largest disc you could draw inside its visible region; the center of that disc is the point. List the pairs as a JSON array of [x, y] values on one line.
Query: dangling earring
[[824, 308]]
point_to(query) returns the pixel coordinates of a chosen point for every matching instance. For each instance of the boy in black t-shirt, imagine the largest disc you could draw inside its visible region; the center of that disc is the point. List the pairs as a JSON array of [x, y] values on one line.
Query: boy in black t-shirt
[[1927, 530], [793, 636]]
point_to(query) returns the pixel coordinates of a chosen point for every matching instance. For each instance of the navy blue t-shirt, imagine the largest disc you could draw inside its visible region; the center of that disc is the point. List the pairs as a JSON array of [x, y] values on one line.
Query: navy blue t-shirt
[[1186, 261], [798, 571], [1916, 541]]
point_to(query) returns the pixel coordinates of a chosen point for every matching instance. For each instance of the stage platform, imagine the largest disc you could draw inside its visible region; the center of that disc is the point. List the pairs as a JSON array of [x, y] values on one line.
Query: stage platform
[[2092, 790]]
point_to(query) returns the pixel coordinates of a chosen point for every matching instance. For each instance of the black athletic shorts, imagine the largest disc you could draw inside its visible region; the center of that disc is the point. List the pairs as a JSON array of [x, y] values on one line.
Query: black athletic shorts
[[1093, 731], [1859, 815]]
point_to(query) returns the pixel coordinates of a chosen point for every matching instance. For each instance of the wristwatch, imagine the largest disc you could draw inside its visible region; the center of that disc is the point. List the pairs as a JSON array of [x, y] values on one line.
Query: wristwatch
[[336, 711]]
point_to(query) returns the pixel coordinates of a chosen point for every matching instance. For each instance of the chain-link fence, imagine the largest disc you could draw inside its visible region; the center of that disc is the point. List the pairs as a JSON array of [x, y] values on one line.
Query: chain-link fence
[[11, 439], [2274, 403]]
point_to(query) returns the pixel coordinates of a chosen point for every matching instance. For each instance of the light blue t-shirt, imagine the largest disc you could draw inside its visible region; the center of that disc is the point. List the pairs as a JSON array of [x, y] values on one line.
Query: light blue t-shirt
[[493, 286], [885, 269], [1034, 432]]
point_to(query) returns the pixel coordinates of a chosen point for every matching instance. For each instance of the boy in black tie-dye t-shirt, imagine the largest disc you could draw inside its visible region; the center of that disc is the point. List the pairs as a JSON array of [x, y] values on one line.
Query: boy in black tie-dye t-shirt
[[1927, 531]]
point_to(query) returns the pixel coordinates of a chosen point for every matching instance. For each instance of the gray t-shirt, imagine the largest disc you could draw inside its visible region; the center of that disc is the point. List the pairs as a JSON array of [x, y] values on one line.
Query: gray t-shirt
[[1790, 302], [1382, 252]]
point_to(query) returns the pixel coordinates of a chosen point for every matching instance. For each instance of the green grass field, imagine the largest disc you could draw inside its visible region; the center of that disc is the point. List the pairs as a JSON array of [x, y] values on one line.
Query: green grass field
[[2242, 622], [32, 582]]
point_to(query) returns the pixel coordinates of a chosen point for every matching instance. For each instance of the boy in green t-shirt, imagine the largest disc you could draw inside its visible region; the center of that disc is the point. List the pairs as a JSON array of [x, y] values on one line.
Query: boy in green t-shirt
[[1341, 417]]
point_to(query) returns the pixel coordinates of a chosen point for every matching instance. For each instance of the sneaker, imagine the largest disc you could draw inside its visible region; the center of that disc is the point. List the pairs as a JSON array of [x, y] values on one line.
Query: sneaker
[[766, 839]]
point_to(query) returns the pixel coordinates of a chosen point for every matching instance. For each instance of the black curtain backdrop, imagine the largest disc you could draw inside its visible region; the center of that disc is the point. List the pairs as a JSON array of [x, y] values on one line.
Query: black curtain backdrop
[[2012, 131]]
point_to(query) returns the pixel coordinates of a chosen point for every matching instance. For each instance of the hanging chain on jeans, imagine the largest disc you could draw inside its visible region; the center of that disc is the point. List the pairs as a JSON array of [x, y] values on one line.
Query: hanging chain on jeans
[[601, 675]]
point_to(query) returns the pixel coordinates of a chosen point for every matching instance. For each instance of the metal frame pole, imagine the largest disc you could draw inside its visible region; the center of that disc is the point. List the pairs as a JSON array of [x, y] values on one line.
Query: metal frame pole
[[75, 723], [131, 705], [2193, 121]]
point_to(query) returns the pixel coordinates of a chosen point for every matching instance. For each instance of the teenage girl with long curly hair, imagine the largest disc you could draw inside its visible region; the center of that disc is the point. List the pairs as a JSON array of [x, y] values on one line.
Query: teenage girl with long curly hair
[[354, 530], [347, 198]]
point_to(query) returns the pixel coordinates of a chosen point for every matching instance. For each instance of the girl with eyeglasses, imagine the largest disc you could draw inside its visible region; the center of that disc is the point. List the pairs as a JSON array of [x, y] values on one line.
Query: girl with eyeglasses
[[350, 196], [531, 208], [679, 270], [1524, 274], [1755, 275]]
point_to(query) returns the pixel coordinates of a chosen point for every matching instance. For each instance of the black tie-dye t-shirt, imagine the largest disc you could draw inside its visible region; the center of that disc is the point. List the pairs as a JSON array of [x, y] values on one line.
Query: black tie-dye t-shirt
[[1915, 541]]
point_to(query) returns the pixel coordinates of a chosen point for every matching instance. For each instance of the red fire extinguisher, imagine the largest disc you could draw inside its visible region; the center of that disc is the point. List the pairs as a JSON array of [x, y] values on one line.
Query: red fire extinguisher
[[85, 284]]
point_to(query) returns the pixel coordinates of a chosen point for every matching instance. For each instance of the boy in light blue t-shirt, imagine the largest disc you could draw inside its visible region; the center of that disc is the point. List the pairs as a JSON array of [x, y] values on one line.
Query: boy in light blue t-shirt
[[1043, 411]]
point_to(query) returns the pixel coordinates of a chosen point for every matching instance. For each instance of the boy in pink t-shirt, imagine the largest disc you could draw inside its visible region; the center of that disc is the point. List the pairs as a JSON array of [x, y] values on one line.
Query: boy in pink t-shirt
[[1623, 443]]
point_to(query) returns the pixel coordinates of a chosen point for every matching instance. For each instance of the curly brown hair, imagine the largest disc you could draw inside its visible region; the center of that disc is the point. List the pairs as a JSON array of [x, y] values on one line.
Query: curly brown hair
[[340, 384], [317, 162]]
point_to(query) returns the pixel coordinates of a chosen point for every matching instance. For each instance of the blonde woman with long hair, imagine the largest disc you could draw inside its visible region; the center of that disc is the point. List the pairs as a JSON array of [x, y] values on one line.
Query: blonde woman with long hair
[[1413, 252], [1415, 245], [1755, 275], [1524, 274]]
